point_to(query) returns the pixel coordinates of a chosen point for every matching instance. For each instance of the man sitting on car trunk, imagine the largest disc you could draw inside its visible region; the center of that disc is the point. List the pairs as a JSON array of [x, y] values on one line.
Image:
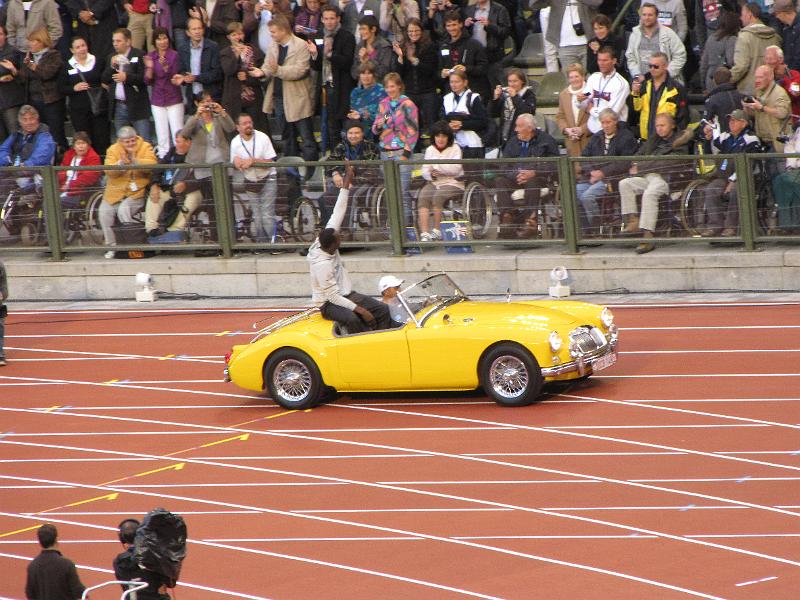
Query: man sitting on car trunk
[[331, 287]]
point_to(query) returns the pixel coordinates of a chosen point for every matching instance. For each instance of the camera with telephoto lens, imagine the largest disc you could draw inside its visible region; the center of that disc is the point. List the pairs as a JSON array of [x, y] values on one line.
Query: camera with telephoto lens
[[783, 139], [748, 99], [578, 28]]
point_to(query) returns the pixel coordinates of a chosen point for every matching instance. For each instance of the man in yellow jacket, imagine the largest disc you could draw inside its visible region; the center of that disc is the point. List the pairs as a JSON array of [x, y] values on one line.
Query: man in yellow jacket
[[657, 94], [125, 189]]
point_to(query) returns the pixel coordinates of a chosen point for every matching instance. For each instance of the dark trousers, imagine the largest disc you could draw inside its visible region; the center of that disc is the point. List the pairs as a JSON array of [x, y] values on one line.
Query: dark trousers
[[304, 128], [428, 105], [97, 126], [53, 115], [351, 320]]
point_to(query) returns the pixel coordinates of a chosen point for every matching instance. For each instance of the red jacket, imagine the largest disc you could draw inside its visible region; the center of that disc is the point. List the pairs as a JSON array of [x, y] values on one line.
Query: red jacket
[[85, 179], [791, 83]]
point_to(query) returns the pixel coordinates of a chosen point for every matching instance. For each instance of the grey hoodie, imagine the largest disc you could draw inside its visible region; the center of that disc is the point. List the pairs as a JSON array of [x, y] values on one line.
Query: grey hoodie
[[749, 53]]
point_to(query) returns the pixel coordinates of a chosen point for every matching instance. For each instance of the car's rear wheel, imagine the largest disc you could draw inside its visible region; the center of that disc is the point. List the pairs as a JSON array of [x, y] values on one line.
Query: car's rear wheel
[[510, 375], [293, 379]]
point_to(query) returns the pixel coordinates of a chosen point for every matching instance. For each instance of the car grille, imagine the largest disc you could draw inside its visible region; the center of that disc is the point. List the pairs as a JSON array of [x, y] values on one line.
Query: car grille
[[585, 340]]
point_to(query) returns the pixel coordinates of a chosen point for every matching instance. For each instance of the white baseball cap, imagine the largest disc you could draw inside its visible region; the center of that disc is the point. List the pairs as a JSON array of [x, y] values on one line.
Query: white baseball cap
[[388, 281]]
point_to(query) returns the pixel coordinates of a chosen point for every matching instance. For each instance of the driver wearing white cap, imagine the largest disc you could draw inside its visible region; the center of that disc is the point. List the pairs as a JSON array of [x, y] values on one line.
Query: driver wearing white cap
[[389, 287]]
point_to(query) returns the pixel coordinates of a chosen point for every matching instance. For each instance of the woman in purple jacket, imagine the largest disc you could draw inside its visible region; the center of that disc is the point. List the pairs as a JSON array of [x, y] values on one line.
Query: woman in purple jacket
[[161, 68]]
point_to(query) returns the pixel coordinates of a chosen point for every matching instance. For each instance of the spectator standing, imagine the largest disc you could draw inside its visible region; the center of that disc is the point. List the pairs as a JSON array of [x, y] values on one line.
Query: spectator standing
[[177, 183], [77, 186], [215, 16], [251, 151], [82, 76], [397, 128], [736, 140], [166, 100], [647, 179], [509, 102], [531, 178], [772, 110], [787, 78], [332, 60], [178, 16], [240, 91], [719, 49], [140, 23], [658, 94], [395, 16], [12, 91], [444, 181], [209, 128], [308, 19], [3, 310], [127, 93], [572, 117], [372, 47], [263, 11], [489, 24], [606, 89], [434, 22], [649, 37], [672, 14], [51, 575], [460, 53], [723, 99], [788, 24], [23, 17], [568, 27], [41, 69], [785, 187], [603, 37], [289, 92], [598, 177], [708, 16], [751, 42], [97, 20], [366, 97], [200, 63], [355, 10], [125, 190], [418, 64]]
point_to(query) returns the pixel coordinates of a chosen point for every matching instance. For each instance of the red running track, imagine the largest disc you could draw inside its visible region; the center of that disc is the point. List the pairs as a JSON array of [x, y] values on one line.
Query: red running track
[[672, 475]]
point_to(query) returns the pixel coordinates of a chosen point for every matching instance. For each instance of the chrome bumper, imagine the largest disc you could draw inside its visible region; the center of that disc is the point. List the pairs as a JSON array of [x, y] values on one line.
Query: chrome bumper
[[581, 365]]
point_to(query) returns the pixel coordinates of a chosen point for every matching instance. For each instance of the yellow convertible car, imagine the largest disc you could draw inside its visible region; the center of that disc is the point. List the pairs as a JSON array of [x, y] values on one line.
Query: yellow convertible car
[[445, 342]]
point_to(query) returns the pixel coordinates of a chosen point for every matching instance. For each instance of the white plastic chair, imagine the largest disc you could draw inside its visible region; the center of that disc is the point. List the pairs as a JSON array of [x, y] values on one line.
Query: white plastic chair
[[128, 594]]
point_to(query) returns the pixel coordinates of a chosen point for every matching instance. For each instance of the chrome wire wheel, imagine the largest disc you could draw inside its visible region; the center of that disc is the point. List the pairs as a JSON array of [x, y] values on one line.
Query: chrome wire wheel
[[292, 380], [508, 377]]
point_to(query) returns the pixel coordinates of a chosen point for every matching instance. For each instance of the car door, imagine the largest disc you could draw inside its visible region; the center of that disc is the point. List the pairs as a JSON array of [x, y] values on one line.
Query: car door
[[443, 353], [376, 360]]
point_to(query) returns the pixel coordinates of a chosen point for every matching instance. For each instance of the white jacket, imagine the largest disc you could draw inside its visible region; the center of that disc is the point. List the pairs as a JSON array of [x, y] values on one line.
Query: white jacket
[[330, 281], [447, 172], [669, 43]]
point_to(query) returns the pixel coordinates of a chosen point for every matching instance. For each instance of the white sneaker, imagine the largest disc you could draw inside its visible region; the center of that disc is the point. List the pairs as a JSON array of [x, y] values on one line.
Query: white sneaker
[[109, 254], [436, 234], [425, 237]]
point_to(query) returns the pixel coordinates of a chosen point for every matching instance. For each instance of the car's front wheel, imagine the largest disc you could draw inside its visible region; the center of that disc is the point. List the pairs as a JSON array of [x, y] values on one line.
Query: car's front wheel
[[293, 379], [510, 375]]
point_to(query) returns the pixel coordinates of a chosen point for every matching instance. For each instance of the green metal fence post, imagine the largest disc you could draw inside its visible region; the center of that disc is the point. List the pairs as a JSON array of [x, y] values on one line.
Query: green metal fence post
[[566, 179], [52, 212], [745, 190], [394, 200], [223, 208]]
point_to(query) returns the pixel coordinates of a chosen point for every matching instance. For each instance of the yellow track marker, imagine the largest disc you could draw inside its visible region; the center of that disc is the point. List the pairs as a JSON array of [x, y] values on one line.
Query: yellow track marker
[[244, 437], [109, 497], [52, 408], [288, 412], [110, 381], [2, 535], [167, 357], [222, 333], [176, 467]]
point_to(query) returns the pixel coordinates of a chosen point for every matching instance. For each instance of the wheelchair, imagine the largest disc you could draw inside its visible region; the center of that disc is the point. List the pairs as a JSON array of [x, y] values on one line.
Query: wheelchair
[[22, 214]]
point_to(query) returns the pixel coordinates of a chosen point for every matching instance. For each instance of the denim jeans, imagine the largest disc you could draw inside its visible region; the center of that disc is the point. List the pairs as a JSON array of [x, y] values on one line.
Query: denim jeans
[[588, 193], [304, 128], [142, 126], [262, 203], [405, 182]]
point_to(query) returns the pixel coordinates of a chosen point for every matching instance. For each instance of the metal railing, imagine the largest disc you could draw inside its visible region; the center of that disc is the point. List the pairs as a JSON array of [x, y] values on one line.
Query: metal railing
[[380, 207]]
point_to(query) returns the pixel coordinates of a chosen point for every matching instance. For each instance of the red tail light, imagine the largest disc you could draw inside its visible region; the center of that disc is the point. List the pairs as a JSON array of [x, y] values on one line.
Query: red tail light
[[228, 357]]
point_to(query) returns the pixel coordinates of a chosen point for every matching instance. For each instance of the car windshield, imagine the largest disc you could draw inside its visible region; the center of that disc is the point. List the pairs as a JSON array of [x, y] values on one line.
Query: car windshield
[[430, 294]]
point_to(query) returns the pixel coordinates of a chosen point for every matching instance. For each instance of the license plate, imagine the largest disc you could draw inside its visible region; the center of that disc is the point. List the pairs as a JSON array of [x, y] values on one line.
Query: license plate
[[604, 362]]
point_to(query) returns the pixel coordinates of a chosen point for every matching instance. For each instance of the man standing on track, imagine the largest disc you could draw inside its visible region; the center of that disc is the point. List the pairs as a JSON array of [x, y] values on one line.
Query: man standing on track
[[50, 575], [3, 310], [127, 569], [331, 287]]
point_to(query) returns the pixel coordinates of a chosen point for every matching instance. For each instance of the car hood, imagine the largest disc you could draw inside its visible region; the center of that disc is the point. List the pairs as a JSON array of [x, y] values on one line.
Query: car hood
[[512, 314]]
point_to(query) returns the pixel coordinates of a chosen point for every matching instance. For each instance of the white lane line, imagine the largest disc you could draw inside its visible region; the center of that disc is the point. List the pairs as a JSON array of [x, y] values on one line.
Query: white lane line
[[181, 584], [693, 375], [703, 400], [139, 407], [298, 457], [763, 579], [462, 498], [734, 304], [686, 411], [108, 355], [370, 430], [387, 530], [708, 327], [116, 311], [151, 334], [719, 351]]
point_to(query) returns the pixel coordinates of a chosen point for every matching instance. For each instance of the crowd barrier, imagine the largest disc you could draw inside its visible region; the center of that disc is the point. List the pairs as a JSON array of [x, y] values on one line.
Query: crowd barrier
[[493, 208]]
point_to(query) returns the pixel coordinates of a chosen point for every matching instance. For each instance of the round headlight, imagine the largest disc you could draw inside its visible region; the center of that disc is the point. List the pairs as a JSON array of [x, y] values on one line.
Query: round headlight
[[607, 317], [555, 341]]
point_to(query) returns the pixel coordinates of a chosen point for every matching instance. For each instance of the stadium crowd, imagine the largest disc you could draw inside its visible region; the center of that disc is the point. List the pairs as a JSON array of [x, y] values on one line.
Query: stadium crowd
[[209, 81]]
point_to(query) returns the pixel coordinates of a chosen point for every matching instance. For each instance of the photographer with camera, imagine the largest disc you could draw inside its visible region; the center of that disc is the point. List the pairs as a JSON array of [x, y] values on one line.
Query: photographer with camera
[[771, 107], [605, 89], [511, 101]]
